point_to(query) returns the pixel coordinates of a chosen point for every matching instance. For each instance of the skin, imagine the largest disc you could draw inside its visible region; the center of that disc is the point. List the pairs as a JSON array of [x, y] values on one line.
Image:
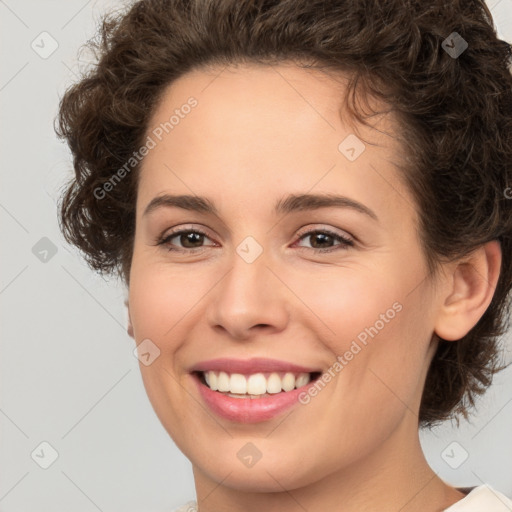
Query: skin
[[257, 134]]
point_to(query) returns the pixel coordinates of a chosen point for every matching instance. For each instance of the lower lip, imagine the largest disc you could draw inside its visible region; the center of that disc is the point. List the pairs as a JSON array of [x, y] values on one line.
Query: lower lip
[[249, 410]]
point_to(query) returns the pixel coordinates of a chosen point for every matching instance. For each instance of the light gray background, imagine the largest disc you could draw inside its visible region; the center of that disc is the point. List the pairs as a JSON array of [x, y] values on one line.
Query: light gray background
[[68, 373]]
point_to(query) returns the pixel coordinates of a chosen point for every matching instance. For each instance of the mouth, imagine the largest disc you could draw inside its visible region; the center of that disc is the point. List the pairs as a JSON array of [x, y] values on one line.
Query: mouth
[[246, 398], [251, 390], [255, 385]]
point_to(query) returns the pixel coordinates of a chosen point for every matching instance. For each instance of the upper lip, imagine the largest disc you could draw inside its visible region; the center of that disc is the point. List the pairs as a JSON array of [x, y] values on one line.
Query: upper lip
[[248, 366]]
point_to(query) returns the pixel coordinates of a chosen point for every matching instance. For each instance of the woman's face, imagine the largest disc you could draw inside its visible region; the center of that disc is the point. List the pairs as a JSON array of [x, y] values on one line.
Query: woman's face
[[255, 143]]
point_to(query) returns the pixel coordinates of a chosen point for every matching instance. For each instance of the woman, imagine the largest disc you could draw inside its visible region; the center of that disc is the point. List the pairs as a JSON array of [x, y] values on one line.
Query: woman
[[307, 201]]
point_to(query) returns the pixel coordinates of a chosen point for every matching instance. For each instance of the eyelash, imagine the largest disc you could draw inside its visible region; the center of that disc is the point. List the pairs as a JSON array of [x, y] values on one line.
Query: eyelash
[[345, 242]]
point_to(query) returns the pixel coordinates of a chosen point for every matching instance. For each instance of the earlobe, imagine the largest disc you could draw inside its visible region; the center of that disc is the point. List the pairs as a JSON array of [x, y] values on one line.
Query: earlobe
[[472, 284], [129, 329]]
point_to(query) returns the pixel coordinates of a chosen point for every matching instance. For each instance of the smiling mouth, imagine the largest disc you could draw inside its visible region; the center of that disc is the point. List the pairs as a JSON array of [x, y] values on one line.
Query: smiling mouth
[[256, 385]]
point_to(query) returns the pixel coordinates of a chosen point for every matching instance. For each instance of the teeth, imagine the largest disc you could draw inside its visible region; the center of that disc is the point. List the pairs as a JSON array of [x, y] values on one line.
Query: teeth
[[223, 382], [302, 380], [255, 385], [288, 382], [211, 380], [274, 384], [238, 384]]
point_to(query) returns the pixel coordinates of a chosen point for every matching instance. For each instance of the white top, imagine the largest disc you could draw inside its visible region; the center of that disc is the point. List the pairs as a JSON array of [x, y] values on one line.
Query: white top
[[481, 499]]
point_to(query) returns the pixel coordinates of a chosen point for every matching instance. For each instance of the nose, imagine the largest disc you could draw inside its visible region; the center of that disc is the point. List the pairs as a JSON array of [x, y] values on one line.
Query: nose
[[249, 300]]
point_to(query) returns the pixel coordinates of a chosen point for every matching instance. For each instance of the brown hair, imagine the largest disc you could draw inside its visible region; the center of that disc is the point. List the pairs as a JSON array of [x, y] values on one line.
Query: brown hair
[[455, 112]]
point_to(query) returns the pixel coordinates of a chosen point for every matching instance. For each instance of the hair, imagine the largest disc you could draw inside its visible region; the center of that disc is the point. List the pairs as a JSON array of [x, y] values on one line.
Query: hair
[[455, 113]]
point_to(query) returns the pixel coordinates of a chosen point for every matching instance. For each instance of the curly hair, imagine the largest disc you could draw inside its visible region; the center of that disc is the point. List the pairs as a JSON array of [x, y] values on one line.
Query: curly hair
[[455, 111]]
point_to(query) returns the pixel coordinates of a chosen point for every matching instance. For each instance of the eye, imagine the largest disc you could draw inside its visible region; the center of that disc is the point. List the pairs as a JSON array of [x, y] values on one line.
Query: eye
[[187, 237], [325, 237], [192, 240]]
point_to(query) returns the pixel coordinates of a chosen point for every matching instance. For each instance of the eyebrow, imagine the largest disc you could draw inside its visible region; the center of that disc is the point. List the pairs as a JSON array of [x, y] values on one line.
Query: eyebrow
[[288, 204]]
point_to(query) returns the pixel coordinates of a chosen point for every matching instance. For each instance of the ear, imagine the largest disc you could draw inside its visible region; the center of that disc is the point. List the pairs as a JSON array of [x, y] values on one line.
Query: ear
[[129, 329], [470, 287]]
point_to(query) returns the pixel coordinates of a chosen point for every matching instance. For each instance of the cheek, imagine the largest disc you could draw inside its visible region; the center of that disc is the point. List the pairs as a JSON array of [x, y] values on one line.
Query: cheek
[[378, 386], [377, 331], [157, 304], [387, 371], [345, 303], [161, 296]]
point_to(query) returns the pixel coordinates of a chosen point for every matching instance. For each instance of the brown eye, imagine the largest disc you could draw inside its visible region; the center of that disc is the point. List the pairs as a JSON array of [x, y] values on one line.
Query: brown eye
[[190, 240], [322, 240]]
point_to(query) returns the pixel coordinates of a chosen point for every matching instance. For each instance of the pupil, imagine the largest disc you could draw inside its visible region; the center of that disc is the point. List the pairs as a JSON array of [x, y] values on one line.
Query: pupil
[[189, 237], [321, 235]]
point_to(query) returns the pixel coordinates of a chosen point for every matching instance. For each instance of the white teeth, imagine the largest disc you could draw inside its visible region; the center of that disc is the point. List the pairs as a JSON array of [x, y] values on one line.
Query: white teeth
[[223, 382], [274, 383], [212, 382], [289, 382], [255, 385], [301, 380], [238, 384]]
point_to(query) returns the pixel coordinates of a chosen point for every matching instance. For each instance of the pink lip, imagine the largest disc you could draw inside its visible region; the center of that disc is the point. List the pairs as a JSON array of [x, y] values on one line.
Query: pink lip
[[254, 365], [248, 410]]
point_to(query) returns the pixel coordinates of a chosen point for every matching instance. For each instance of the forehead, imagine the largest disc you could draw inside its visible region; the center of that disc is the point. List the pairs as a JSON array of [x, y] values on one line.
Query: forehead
[[285, 98], [257, 125]]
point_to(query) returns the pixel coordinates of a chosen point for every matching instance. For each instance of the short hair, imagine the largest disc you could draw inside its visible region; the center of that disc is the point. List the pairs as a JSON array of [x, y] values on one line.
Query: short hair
[[438, 65]]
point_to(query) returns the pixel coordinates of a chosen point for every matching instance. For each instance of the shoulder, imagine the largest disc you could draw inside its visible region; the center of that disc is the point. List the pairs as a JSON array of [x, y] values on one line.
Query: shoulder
[[190, 506], [483, 497]]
